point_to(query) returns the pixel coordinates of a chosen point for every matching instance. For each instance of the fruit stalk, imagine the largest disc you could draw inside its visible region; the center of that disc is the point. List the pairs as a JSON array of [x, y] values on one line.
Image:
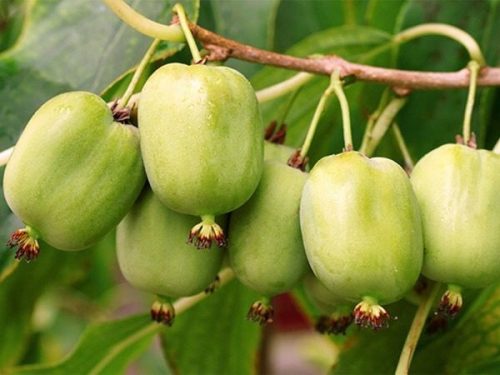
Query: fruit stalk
[[317, 115], [474, 71], [416, 329], [284, 87], [179, 9], [143, 24], [122, 103], [383, 122], [449, 31], [409, 163], [344, 107]]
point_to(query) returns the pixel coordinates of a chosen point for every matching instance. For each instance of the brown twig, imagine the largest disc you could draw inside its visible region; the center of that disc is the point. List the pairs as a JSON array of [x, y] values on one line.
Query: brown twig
[[224, 48]]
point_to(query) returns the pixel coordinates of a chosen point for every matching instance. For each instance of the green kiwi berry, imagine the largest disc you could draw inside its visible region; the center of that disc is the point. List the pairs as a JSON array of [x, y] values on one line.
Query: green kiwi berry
[[458, 190], [362, 231], [153, 254], [266, 250], [73, 175], [201, 139]]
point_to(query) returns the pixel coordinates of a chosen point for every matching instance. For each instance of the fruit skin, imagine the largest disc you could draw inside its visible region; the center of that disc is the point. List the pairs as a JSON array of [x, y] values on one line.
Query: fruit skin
[[201, 138], [278, 152], [153, 254], [74, 172], [265, 247], [458, 190], [322, 297], [361, 227]]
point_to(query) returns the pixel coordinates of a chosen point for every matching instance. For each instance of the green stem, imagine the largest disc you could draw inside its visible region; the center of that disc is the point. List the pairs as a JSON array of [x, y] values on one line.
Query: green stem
[[496, 149], [344, 107], [137, 74], [5, 156], [409, 163], [449, 31], [386, 95], [335, 86], [386, 118], [416, 329], [183, 304], [315, 120], [474, 71], [179, 9], [284, 87], [172, 33]]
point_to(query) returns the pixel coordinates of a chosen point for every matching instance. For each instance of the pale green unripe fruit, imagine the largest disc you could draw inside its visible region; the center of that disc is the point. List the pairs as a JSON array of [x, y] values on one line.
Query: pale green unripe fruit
[[338, 312], [74, 172], [153, 255], [278, 152], [458, 190], [201, 138], [265, 248], [362, 228], [322, 297]]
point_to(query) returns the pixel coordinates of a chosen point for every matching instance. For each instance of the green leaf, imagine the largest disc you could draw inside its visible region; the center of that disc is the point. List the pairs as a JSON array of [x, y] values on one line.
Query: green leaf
[[32, 279], [104, 348], [476, 347], [214, 336], [247, 21]]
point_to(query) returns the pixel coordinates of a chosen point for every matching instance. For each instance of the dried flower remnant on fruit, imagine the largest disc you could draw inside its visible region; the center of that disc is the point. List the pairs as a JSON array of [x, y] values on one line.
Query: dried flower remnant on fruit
[[121, 115], [202, 234], [274, 133], [163, 312], [369, 314], [470, 143], [26, 241], [261, 312], [214, 285], [334, 324], [298, 161], [451, 302]]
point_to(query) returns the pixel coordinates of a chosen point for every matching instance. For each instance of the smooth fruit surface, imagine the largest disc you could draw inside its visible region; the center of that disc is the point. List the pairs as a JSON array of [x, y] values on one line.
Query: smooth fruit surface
[[74, 172], [323, 298], [153, 254], [201, 138], [458, 189], [361, 227], [265, 247], [278, 152]]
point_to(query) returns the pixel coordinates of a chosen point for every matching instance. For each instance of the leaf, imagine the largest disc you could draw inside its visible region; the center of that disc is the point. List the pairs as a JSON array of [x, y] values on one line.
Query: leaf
[[32, 280], [299, 19], [247, 21], [476, 347], [214, 336], [104, 348]]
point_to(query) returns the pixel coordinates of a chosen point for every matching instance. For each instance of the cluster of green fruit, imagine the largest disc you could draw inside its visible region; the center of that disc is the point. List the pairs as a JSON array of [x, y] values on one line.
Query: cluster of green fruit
[[359, 223]]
